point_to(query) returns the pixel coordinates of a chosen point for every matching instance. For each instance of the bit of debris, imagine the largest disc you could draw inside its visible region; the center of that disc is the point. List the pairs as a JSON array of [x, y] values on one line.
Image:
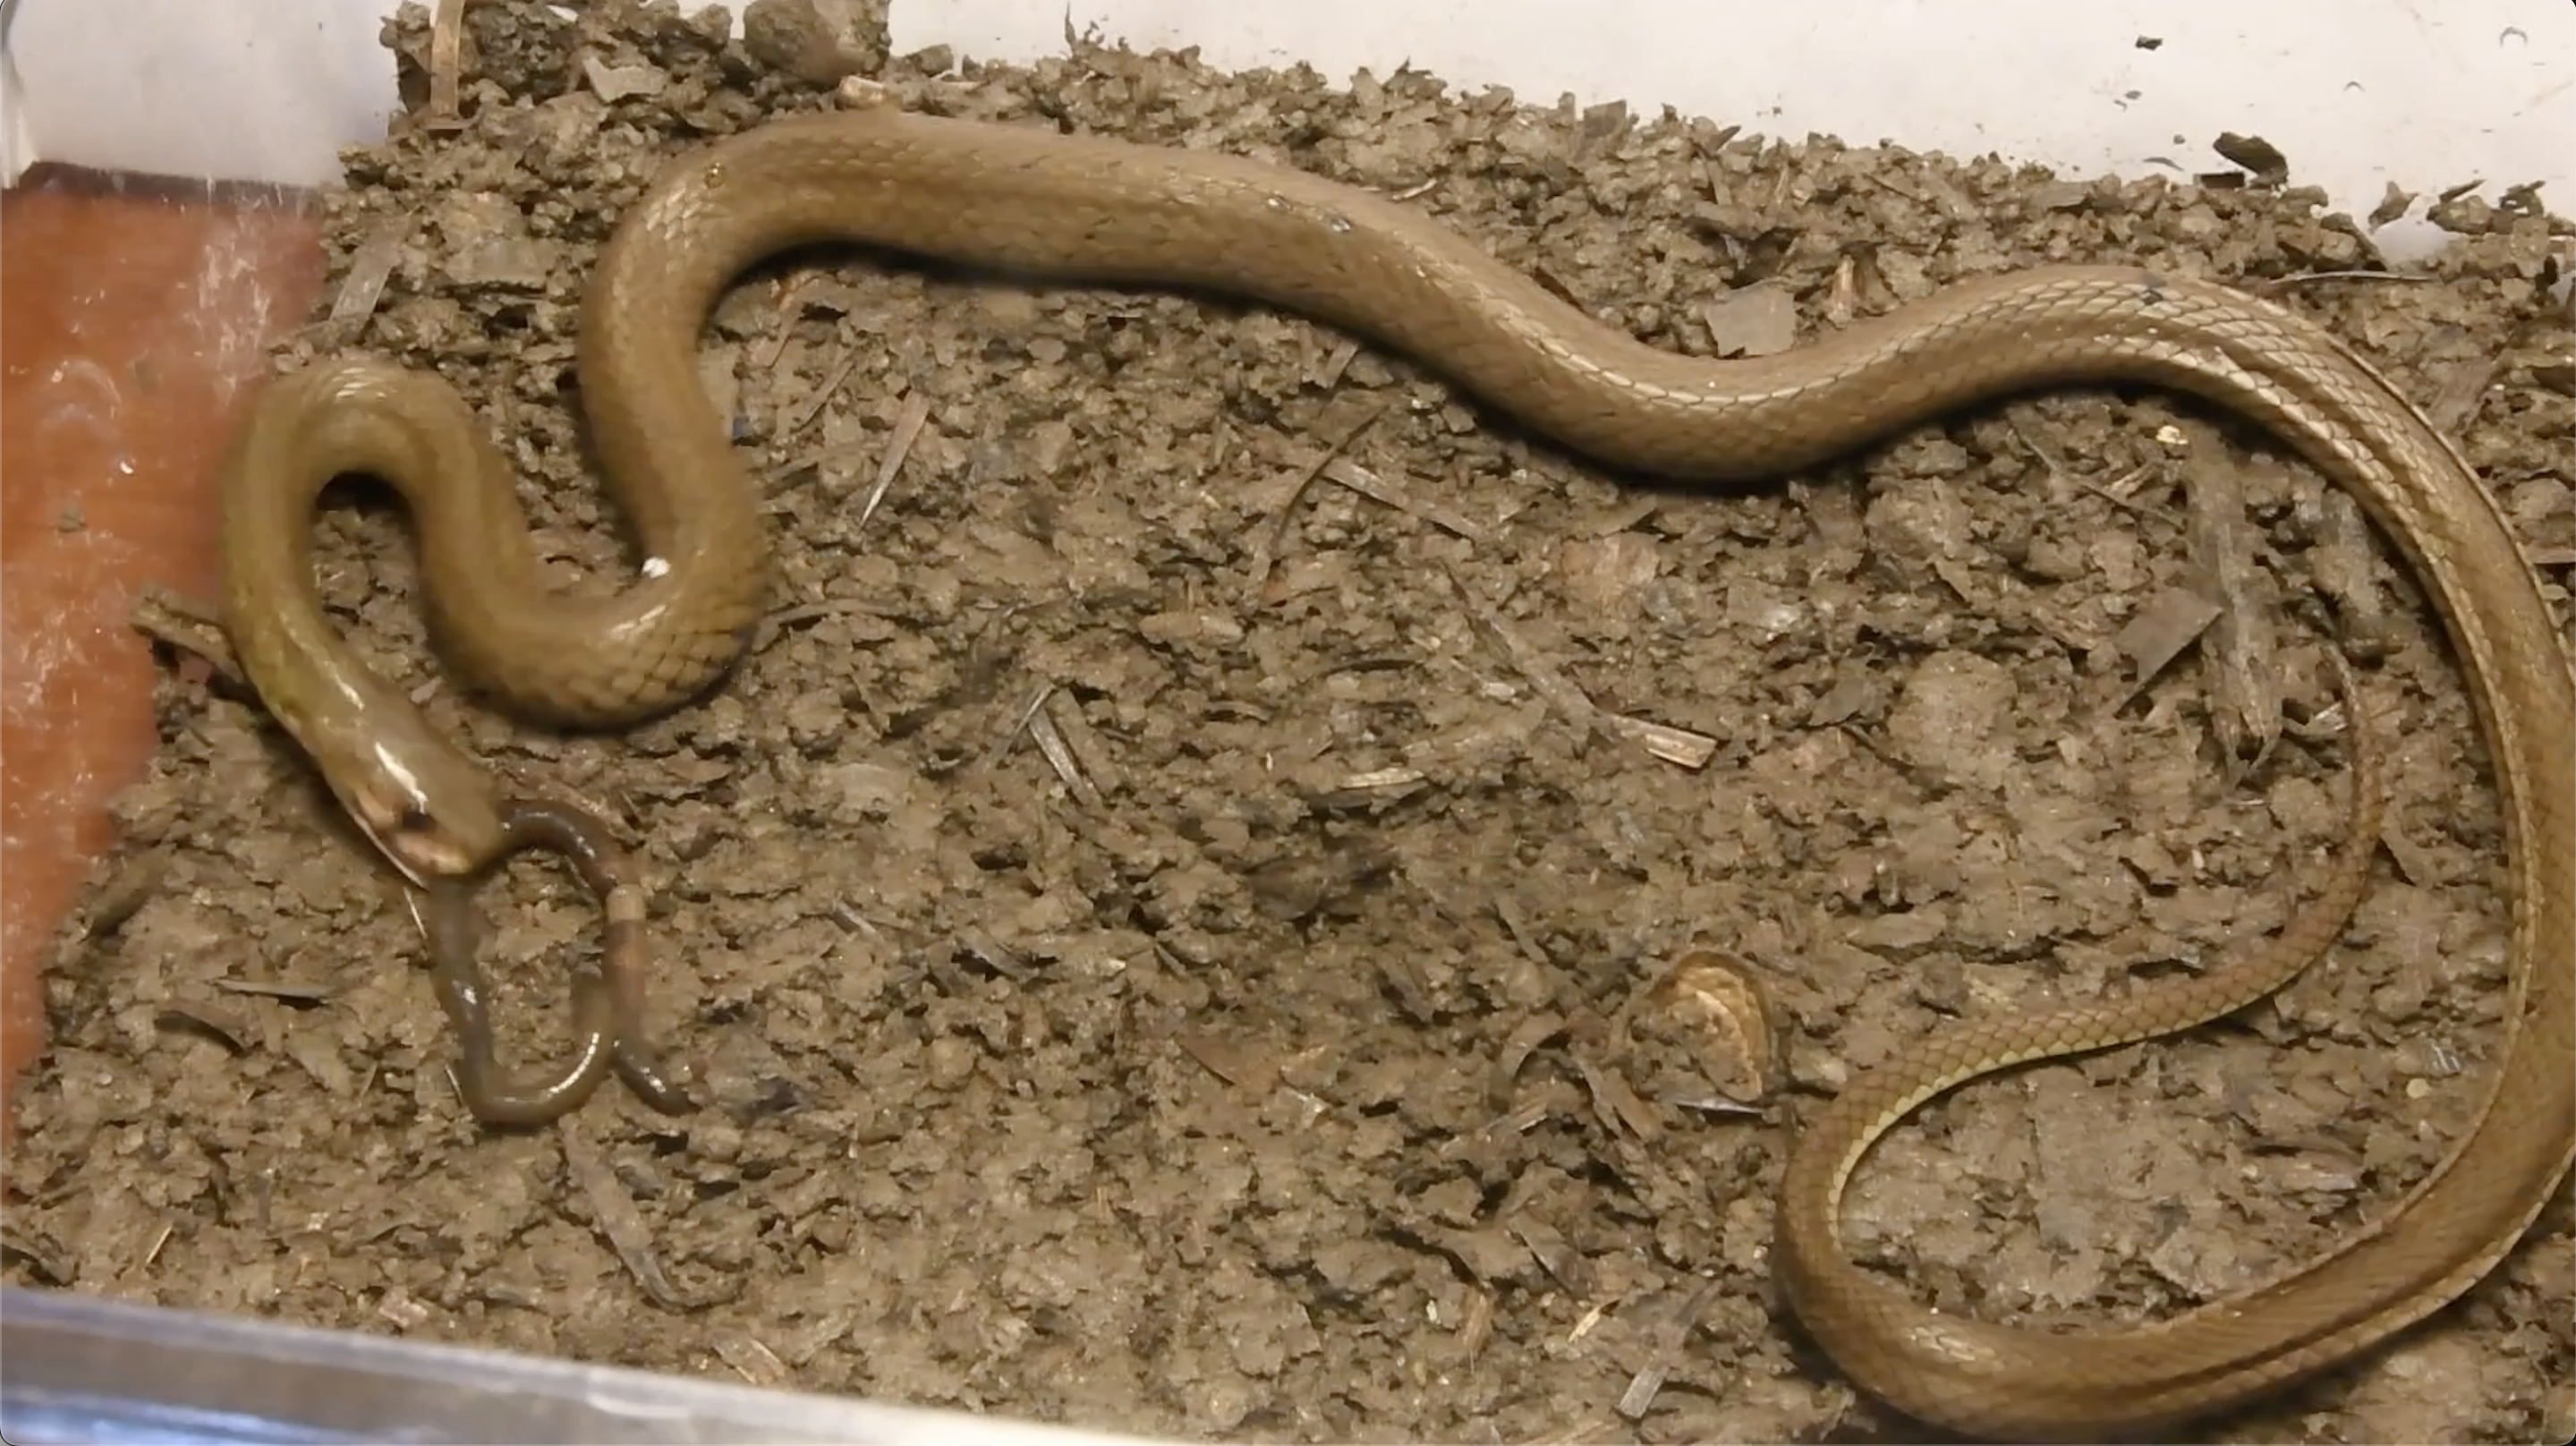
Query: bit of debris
[[2261, 159], [446, 64], [818, 41], [2239, 648], [2170, 621], [623, 1225], [1673, 745], [1757, 320]]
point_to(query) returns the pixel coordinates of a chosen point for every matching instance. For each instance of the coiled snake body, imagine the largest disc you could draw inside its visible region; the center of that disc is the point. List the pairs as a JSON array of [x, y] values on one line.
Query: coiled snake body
[[1031, 202]]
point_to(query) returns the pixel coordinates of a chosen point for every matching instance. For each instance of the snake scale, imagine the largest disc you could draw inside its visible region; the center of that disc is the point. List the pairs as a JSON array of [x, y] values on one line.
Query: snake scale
[[1031, 202]]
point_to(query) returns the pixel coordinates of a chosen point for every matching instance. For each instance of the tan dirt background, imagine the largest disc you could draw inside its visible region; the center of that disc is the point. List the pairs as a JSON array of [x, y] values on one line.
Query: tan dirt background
[[1250, 1071]]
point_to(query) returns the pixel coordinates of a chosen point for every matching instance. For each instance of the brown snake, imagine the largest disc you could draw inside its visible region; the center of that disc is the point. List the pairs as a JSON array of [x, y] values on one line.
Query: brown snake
[[1027, 201]]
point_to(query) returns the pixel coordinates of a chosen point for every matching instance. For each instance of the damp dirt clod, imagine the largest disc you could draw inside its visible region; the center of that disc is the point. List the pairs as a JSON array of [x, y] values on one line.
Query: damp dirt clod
[[1159, 918]]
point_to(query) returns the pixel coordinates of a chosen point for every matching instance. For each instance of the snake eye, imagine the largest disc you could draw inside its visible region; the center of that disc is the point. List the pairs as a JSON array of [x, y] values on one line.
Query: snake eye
[[414, 818]]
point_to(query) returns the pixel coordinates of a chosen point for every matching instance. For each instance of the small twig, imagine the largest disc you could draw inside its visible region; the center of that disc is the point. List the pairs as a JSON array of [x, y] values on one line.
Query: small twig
[[624, 1226], [791, 297], [1671, 1337], [362, 288], [2284, 283], [907, 426], [1297, 497], [296, 990], [1059, 756], [2111, 491], [775, 625], [1673, 745], [1368, 484], [189, 625], [842, 365], [1019, 725]]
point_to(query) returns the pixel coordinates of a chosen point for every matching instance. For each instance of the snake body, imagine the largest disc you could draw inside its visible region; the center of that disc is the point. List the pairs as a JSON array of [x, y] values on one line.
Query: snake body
[[1031, 202]]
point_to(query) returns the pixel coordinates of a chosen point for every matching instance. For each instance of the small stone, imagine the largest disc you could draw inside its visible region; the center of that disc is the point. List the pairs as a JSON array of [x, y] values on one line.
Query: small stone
[[952, 1062], [820, 41], [1756, 320], [614, 83]]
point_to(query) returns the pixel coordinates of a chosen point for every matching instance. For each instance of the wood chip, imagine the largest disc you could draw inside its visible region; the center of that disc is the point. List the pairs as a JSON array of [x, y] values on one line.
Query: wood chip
[[1330, 374], [1371, 788], [1617, 1105], [1368, 484], [2456, 400], [2259, 157], [985, 949], [2413, 863], [221, 1025], [750, 1359], [613, 83], [1671, 1338], [1478, 1332], [2241, 646], [1756, 320], [402, 1309], [318, 1053], [362, 286], [126, 891], [1555, 1254], [446, 66], [2170, 622], [622, 1225], [1523, 1042], [1517, 925], [1090, 754], [190, 627], [1249, 1068], [1673, 745], [2344, 565]]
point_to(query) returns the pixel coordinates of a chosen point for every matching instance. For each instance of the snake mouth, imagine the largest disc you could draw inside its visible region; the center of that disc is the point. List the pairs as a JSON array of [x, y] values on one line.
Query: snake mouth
[[424, 859], [418, 876], [410, 838]]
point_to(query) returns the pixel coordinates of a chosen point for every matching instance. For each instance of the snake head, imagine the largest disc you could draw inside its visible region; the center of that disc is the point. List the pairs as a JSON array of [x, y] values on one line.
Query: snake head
[[431, 810], [425, 837]]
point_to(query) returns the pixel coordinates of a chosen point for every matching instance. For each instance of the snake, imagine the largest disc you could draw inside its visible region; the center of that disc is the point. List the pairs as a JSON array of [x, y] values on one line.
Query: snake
[[1043, 202]]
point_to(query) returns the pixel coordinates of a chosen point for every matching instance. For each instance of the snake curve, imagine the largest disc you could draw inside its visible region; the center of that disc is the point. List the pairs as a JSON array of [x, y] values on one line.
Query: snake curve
[[1030, 202]]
